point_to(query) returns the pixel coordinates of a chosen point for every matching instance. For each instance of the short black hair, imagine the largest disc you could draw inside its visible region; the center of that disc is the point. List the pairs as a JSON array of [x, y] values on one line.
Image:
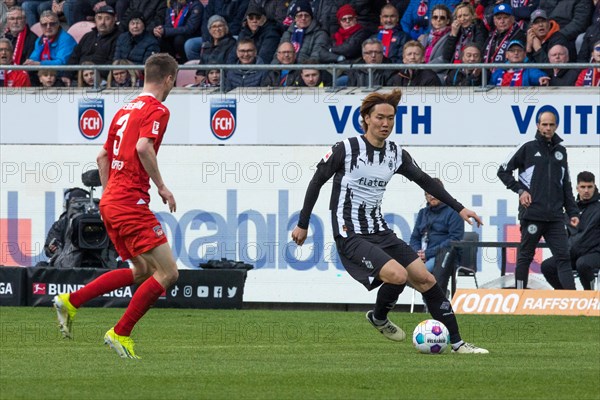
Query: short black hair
[[585, 176]]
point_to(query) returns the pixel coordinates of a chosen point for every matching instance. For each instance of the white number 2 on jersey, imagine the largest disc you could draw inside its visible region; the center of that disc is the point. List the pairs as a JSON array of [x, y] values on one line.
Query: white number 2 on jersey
[[122, 123]]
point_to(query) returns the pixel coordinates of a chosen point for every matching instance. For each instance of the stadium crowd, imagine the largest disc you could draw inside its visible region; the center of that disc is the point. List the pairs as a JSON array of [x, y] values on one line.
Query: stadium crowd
[[252, 32]]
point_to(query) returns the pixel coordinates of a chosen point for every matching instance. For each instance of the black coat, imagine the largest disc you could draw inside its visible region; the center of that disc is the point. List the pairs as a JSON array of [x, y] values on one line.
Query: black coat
[[541, 56], [592, 35], [191, 25], [153, 11], [478, 37], [351, 48], [98, 49], [545, 171], [418, 77], [564, 77], [586, 238], [28, 46], [573, 16], [273, 78], [221, 53], [360, 77], [266, 38], [460, 77], [136, 49]]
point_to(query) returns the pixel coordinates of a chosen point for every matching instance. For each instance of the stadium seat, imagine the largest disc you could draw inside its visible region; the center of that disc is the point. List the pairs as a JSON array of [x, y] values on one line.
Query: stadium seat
[[37, 29], [468, 264], [79, 29], [186, 76]]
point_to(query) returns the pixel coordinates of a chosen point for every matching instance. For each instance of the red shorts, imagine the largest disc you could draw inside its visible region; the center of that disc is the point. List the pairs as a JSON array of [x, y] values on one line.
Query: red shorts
[[133, 229]]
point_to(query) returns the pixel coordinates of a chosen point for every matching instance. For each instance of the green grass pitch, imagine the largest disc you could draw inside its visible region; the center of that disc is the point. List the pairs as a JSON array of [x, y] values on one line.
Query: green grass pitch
[[261, 354]]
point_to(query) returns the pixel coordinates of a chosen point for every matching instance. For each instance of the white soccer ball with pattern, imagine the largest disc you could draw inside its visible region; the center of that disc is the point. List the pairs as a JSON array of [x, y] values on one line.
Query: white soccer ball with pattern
[[431, 337]]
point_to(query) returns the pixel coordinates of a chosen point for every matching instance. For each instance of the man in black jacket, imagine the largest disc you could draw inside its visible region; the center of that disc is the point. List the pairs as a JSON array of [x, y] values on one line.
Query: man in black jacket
[[545, 192], [98, 45], [584, 241]]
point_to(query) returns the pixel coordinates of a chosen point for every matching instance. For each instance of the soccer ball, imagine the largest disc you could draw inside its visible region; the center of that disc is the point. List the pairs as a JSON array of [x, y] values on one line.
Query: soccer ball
[[431, 337]]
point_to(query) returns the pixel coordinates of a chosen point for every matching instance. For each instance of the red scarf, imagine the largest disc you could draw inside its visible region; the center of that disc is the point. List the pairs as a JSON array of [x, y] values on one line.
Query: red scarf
[[343, 34], [385, 37], [19, 46], [175, 21], [497, 55], [512, 78], [46, 50]]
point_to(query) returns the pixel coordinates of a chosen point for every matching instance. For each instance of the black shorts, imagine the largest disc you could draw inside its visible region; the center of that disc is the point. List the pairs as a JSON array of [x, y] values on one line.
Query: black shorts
[[363, 256]]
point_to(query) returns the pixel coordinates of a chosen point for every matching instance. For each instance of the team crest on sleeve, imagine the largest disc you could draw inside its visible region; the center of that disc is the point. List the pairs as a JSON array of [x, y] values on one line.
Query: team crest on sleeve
[[158, 231], [558, 155], [155, 127], [327, 156]]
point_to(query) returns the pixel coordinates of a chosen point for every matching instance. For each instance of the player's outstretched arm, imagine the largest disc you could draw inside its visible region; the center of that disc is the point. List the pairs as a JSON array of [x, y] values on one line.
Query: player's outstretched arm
[[145, 150]]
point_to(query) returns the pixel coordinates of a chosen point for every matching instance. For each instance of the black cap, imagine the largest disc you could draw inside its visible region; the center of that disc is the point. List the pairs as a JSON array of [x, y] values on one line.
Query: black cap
[[106, 10], [136, 15]]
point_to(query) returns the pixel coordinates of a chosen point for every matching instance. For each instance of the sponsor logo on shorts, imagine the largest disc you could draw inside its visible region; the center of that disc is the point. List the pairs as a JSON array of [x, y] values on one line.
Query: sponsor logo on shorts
[[158, 231], [367, 263]]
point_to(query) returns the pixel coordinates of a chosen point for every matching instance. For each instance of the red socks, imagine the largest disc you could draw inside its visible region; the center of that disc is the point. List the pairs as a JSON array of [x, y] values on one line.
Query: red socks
[[105, 283], [143, 298]]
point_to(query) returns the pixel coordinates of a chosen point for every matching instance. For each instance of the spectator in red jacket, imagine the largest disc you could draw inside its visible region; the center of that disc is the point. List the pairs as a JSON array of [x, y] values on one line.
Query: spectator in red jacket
[[10, 78]]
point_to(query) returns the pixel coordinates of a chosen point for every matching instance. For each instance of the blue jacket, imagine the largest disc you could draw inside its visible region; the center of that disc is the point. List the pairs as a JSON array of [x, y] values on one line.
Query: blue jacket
[[136, 49], [60, 49], [442, 225], [531, 77], [414, 25], [190, 26]]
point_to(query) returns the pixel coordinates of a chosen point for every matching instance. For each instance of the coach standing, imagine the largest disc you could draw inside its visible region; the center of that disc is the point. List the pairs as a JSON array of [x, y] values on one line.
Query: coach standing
[[545, 192]]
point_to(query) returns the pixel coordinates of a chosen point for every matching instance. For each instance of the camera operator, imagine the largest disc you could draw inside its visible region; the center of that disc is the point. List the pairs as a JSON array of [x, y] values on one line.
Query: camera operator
[[55, 239]]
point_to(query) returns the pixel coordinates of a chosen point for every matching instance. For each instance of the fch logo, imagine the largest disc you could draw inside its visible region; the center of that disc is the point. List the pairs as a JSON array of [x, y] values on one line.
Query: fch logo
[[223, 118], [91, 118]]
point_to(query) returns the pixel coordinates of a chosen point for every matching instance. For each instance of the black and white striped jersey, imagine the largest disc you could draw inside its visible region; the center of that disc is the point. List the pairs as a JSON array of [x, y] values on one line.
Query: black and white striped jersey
[[361, 174]]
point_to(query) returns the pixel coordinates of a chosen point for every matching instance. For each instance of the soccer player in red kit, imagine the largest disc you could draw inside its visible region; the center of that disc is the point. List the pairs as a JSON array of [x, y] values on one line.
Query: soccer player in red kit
[[126, 163]]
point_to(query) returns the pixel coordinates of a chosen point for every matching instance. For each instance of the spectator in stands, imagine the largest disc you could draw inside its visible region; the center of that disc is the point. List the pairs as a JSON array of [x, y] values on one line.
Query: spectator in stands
[[415, 21], [55, 45], [33, 9], [232, 10], [515, 54], [182, 22], [542, 35], [435, 40], [98, 45], [275, 10], [305, 33], [521, 10], [211, 78], [47, 78], [559, 54], [3, 18], [246, 55], [465, 29], [154, 12], [372, 53], [10, 78], [310, 77], [347, 40], [591, 76], [413, 54], [287, 77], [390, 34], [584, 239], [466, 76], [545, 193], [435, 227], [264, 33], [324, 12], [21, 37], [79, 10], [573, 16], [591, 36], [220, 49], [123, 78], [89, 78], [505, 31], [137, 44]]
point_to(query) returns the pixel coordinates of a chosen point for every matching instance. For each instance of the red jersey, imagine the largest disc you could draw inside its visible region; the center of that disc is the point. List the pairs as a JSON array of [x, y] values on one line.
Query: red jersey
[[15, 78], [144, 117]]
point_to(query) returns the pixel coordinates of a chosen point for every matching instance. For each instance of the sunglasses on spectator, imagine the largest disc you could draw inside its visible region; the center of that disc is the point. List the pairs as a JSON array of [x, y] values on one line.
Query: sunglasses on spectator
[[597, 48], [347, 19], [440, 17], [49, 24]]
